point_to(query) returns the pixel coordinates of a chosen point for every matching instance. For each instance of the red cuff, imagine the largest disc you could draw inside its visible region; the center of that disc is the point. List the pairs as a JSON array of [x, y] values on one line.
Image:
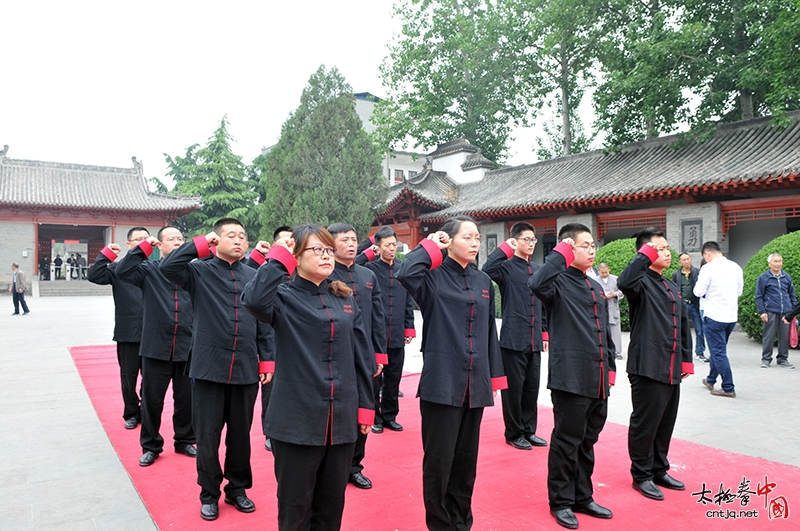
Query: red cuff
[[108, 253], [257, 256], [381, 358], [409, 332], [545, 336], [266, 366], [145, 246], [687, 367], [612, 377], [565, 250], [366, 416], [650, 252], [369, 253], [433, 251], [282, 255], [501, 382], [506, 248], [201, 243], [372, 239]]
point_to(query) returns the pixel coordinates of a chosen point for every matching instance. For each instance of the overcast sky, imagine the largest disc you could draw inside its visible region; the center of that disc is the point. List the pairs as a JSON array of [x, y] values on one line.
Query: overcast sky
[[98, 82]]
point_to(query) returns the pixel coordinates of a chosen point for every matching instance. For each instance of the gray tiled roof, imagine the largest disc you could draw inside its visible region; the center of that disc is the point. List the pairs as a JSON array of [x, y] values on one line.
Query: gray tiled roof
[[454, 146], [741, 152], [55, 184], [477, 160], [433, 187]]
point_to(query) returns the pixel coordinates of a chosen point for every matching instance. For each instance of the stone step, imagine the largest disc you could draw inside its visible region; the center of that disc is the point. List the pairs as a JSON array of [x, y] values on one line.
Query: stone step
[[75, 288]]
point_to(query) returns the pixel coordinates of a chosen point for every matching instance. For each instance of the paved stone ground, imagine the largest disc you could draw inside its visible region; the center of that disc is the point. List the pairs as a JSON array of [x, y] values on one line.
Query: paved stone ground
[[60, 472]]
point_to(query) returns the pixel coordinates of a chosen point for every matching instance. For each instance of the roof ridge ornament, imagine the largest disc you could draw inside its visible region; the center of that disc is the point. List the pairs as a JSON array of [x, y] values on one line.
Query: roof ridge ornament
[[137, 166], [3, 153]]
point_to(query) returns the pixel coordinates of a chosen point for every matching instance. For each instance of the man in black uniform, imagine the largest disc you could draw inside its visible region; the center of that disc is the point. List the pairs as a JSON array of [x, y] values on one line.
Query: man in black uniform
[[523, 335], [659, 357], [367, 295], [581, 370], [127, 322], [166, 340], [398, 311], [226, 351]]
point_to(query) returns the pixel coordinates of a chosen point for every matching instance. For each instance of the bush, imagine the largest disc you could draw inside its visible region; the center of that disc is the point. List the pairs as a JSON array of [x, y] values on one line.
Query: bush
[[788, 246], [617, 254]]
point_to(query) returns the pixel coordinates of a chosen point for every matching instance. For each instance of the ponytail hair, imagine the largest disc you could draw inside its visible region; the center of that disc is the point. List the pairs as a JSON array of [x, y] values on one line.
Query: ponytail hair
[[340, 289]]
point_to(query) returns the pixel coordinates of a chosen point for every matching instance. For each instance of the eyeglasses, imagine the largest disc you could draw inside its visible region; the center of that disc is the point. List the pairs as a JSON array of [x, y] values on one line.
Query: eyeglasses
[[174, 239], [529, 241], [587, 246], [319, 251], [138, 240]]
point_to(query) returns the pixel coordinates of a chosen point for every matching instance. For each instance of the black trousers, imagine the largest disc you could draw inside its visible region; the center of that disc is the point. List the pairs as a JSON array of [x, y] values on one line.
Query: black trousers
[[266, 393], [655, 408], [520, 400], [130, 365], [388, 404], [359, 451], [19, 298], [214, 406], [156, 376], [450, 444], [578, 421], [311, 484]]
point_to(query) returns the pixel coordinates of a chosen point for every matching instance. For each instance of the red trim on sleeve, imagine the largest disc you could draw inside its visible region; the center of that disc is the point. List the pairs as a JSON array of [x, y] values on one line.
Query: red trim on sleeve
[[506, 248], [372, 239], [565, 250], [108, 253], [687, 367], [612, 377], [203, 249], [266, 366], [381, 358], [366, 416], [409, 332], [369, 253], [257, 256], [545, 336], [433, 251], [145, 246], [284, 256], [501, 382], [650, 252]]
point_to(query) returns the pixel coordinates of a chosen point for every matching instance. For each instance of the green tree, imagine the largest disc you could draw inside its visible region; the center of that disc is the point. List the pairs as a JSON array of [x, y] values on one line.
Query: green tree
[[325, 168], [219, 178], [454, 71]]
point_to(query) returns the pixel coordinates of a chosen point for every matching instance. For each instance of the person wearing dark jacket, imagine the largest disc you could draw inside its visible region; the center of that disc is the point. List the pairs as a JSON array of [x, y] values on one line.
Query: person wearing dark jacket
[[523, 335], [166, 341], [685, 278], [127, 322], [774, 298], [227, 346], [462, 368], [659, 358], [322, 385], [581, 371], [367, 294], [398, 311]]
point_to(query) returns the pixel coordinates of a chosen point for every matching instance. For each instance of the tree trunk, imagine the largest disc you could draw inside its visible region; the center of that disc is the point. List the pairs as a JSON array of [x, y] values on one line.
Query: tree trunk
[[565, 108], [746, 103]]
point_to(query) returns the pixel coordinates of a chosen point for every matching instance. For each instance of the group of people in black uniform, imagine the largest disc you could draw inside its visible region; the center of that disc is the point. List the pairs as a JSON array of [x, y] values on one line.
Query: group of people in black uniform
[[322, 323]]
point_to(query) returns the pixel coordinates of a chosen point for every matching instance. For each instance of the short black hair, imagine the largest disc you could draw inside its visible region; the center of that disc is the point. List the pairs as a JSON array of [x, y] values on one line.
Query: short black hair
[[227, 221], [711, 246], [453, 225], [571, 230], [165, 227], [338, 228], [134, 229], [646, 235], [383, 233], [282, 228], [684, 253], [520, 227]]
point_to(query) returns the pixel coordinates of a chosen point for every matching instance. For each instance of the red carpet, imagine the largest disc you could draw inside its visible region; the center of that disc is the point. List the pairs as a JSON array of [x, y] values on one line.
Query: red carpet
[[510, 492]]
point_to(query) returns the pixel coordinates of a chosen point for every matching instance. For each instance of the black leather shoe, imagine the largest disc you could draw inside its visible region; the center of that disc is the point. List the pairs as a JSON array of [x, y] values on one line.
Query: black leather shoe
[[268, 444], [668, 482], [565, 518], [242, 503], [131, 423], [148, 458], [360, 480], [593, 509], [648, 489], [209, 511], [392, 425], [377, 428], [186, 449], [536, 441], [400, 394], [520, 443]]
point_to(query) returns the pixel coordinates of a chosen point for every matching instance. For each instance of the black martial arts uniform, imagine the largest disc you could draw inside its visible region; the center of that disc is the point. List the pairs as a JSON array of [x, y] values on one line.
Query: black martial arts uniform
[[660, 350], [581, 369], [367, 293], [462, 367], [321, 390], [127, 328], [227, 347], [521, 338], [166, 341]]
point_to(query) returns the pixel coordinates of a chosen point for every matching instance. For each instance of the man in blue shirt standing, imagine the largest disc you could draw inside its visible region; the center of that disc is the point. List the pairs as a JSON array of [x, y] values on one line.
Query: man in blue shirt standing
[[775, 298]]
